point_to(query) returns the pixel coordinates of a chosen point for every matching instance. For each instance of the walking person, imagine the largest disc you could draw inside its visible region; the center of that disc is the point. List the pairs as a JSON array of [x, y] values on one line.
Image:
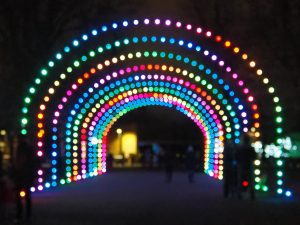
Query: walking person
[[190, 163], [245, 158], [25, 169], [169, 161], [230, 169]]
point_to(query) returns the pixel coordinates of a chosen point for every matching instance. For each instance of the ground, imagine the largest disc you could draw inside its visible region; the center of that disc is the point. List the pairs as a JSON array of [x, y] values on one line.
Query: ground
[[144, 198]]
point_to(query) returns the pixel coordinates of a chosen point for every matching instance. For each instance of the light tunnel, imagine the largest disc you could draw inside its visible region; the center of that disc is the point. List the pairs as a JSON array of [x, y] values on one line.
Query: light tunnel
[[209, 113], [97, 78]]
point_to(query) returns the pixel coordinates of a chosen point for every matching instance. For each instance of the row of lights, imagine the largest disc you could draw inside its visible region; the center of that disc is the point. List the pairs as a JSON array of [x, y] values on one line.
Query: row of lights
[[40, 115], [104, 125], [73, 113], [51, 91], [79, 81], [57, 113], [100, 114], [85, 37], [95, 110], [114, 26], [136, 22]]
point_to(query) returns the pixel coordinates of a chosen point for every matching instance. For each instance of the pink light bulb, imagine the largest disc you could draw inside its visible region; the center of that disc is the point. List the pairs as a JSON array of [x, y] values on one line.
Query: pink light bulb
[[168, 22], [208, 34], [198, 30], [146, 21], [228, 69]]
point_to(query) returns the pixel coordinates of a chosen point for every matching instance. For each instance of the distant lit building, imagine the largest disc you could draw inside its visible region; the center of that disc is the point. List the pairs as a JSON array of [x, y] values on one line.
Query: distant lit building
[[123, 143]]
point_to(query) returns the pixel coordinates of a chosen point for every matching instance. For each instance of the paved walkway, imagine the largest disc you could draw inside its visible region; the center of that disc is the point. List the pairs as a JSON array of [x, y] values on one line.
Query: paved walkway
[[143, 198]]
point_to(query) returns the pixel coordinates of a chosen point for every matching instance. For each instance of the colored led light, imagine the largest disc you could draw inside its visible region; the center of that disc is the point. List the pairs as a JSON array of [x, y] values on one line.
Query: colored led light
[[157, 22], [279, 162], [288, 193]]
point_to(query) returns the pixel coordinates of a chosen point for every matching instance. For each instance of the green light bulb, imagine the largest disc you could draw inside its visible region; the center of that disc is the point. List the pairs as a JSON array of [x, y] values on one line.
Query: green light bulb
[[24, 121], [27, 100], [58, 56], [44, 72]]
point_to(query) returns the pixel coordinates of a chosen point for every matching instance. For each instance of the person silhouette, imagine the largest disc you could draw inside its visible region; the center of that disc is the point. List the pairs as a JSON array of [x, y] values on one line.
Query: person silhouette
[[169, 161], [245, 159], [25, 170], [230, 169], [190, 163]]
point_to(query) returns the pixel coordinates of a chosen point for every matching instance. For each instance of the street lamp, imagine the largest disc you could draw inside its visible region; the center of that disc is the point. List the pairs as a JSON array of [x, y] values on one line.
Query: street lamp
[[119, 132]]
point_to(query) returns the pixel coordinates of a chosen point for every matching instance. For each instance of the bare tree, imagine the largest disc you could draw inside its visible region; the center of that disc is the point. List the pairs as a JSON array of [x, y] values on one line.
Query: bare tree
[[31, 29]]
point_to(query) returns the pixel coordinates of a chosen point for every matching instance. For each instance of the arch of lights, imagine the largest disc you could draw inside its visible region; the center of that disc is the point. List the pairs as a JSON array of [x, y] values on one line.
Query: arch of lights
[[221, 108], [145, 86]]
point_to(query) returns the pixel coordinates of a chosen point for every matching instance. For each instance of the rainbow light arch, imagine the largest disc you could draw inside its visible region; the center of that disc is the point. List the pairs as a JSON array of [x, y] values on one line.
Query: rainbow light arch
[[70, 70], [181, 94], [186, 110]]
